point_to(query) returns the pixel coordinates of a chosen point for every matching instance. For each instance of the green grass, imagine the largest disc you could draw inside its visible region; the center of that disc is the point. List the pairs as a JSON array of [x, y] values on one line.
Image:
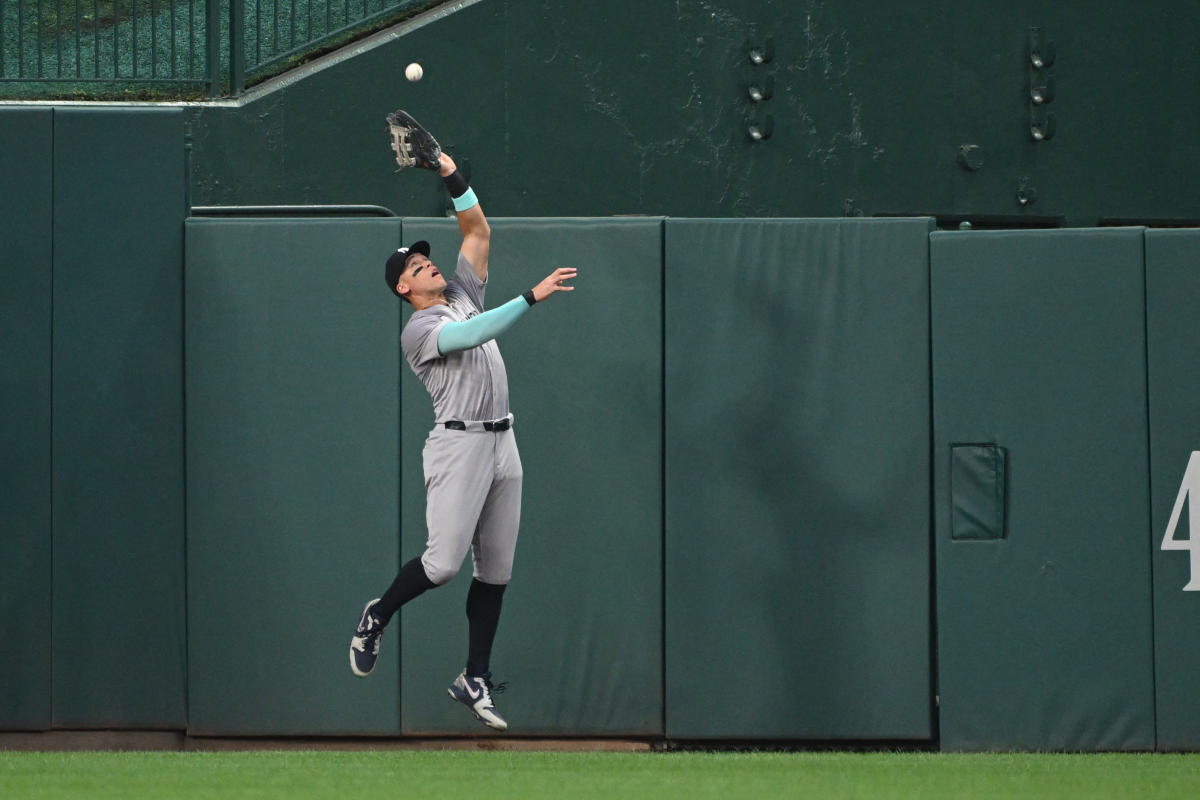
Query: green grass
[[694, 776]]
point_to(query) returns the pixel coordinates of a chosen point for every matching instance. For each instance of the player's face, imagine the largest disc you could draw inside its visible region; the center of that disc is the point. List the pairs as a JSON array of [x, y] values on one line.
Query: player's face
[[423, 274]]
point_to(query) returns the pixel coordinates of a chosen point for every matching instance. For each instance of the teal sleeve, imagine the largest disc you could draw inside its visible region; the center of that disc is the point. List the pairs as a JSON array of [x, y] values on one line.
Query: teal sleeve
[[481, 328]]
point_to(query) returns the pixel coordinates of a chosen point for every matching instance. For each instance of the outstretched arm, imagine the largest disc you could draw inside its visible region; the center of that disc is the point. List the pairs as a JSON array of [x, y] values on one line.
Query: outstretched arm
[[487, 326], [476, 233]]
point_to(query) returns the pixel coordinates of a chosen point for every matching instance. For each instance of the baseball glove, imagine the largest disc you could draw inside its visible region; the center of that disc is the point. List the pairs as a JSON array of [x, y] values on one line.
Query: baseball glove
[[413, 145]]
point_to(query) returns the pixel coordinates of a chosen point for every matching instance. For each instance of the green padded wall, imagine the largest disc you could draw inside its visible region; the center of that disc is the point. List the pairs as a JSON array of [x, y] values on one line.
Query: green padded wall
[[119, 637], [797, 469], [580, 639], [26, 152], [292, 472], [1172, 297], [1044, 636]]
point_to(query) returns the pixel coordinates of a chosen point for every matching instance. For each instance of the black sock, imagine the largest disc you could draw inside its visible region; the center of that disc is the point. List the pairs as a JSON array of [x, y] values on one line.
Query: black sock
[[483, 616], [411, 582]]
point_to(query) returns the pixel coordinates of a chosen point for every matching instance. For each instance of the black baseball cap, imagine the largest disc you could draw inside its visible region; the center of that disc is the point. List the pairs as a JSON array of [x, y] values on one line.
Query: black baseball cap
[[397, 260]]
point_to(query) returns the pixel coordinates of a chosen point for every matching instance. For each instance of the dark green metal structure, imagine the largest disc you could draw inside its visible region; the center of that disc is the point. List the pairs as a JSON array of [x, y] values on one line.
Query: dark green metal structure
[[632, 107]]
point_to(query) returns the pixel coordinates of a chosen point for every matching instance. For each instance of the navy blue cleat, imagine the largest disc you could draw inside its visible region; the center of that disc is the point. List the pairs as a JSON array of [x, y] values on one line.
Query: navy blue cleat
[[476, 694], [364, 646]]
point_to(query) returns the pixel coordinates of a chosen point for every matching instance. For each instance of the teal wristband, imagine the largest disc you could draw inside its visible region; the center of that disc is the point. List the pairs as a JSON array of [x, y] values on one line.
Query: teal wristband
[[465, 200]]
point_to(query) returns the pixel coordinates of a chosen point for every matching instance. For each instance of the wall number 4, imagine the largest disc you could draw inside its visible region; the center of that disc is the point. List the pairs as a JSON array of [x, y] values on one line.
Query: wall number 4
[[1189, 491]]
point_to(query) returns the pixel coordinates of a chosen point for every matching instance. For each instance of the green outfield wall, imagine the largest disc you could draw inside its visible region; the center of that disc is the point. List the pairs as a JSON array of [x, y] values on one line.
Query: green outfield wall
[[27, 256], [292, 470], [785, 479], [94, 630], [1172, 297], [1045, 630], [119, 638], [797, 444]]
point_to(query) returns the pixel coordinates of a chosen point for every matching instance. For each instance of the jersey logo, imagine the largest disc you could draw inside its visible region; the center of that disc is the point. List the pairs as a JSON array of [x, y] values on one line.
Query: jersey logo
[[1189, 491]]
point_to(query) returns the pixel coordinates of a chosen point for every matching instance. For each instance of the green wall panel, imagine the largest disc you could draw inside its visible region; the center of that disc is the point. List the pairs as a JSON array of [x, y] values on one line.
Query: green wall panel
[[1044, 636], [580, 639], [292, 439], [1172, 297], [118, 563], [797, 456], [26, 152], [645, 104]]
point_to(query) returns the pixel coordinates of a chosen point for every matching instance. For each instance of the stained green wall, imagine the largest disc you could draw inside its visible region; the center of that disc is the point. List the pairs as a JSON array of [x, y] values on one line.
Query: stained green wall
[[642, 107]]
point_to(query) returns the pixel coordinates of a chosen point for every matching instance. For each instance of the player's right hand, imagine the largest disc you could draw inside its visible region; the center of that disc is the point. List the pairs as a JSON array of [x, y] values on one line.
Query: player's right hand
[[554, 282]]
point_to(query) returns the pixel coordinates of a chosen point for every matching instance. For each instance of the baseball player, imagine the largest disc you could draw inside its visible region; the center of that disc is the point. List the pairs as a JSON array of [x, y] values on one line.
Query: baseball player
[[472, 468]]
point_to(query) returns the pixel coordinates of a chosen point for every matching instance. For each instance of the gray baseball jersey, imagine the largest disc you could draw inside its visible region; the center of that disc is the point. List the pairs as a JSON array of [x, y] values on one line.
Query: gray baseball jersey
[[466, 385], [472, 478]]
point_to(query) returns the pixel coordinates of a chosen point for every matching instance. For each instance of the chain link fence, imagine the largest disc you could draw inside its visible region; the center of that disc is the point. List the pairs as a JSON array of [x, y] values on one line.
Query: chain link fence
[[57, 48]]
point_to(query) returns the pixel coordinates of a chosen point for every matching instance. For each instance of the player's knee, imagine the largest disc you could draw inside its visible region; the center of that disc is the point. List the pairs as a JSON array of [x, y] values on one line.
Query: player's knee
[[439, 574], [494, 574]]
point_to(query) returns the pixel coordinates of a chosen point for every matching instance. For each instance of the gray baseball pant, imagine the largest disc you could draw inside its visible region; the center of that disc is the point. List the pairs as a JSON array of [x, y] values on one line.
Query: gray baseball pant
[[472, 500]]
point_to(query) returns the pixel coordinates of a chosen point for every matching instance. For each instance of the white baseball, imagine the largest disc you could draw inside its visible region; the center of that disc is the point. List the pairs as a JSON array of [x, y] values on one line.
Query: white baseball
[[413, 71]]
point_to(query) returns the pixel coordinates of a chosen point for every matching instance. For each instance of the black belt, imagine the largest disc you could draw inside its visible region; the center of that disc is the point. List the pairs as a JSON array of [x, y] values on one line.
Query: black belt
[[498, 425]]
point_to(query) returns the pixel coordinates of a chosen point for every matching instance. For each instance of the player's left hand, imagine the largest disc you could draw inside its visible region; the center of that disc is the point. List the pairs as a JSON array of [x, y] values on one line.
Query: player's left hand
[[554, 282]]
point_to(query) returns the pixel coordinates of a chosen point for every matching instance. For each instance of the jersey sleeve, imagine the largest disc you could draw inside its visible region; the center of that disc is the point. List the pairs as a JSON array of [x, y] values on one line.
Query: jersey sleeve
[[480, 328], [419, 339]]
